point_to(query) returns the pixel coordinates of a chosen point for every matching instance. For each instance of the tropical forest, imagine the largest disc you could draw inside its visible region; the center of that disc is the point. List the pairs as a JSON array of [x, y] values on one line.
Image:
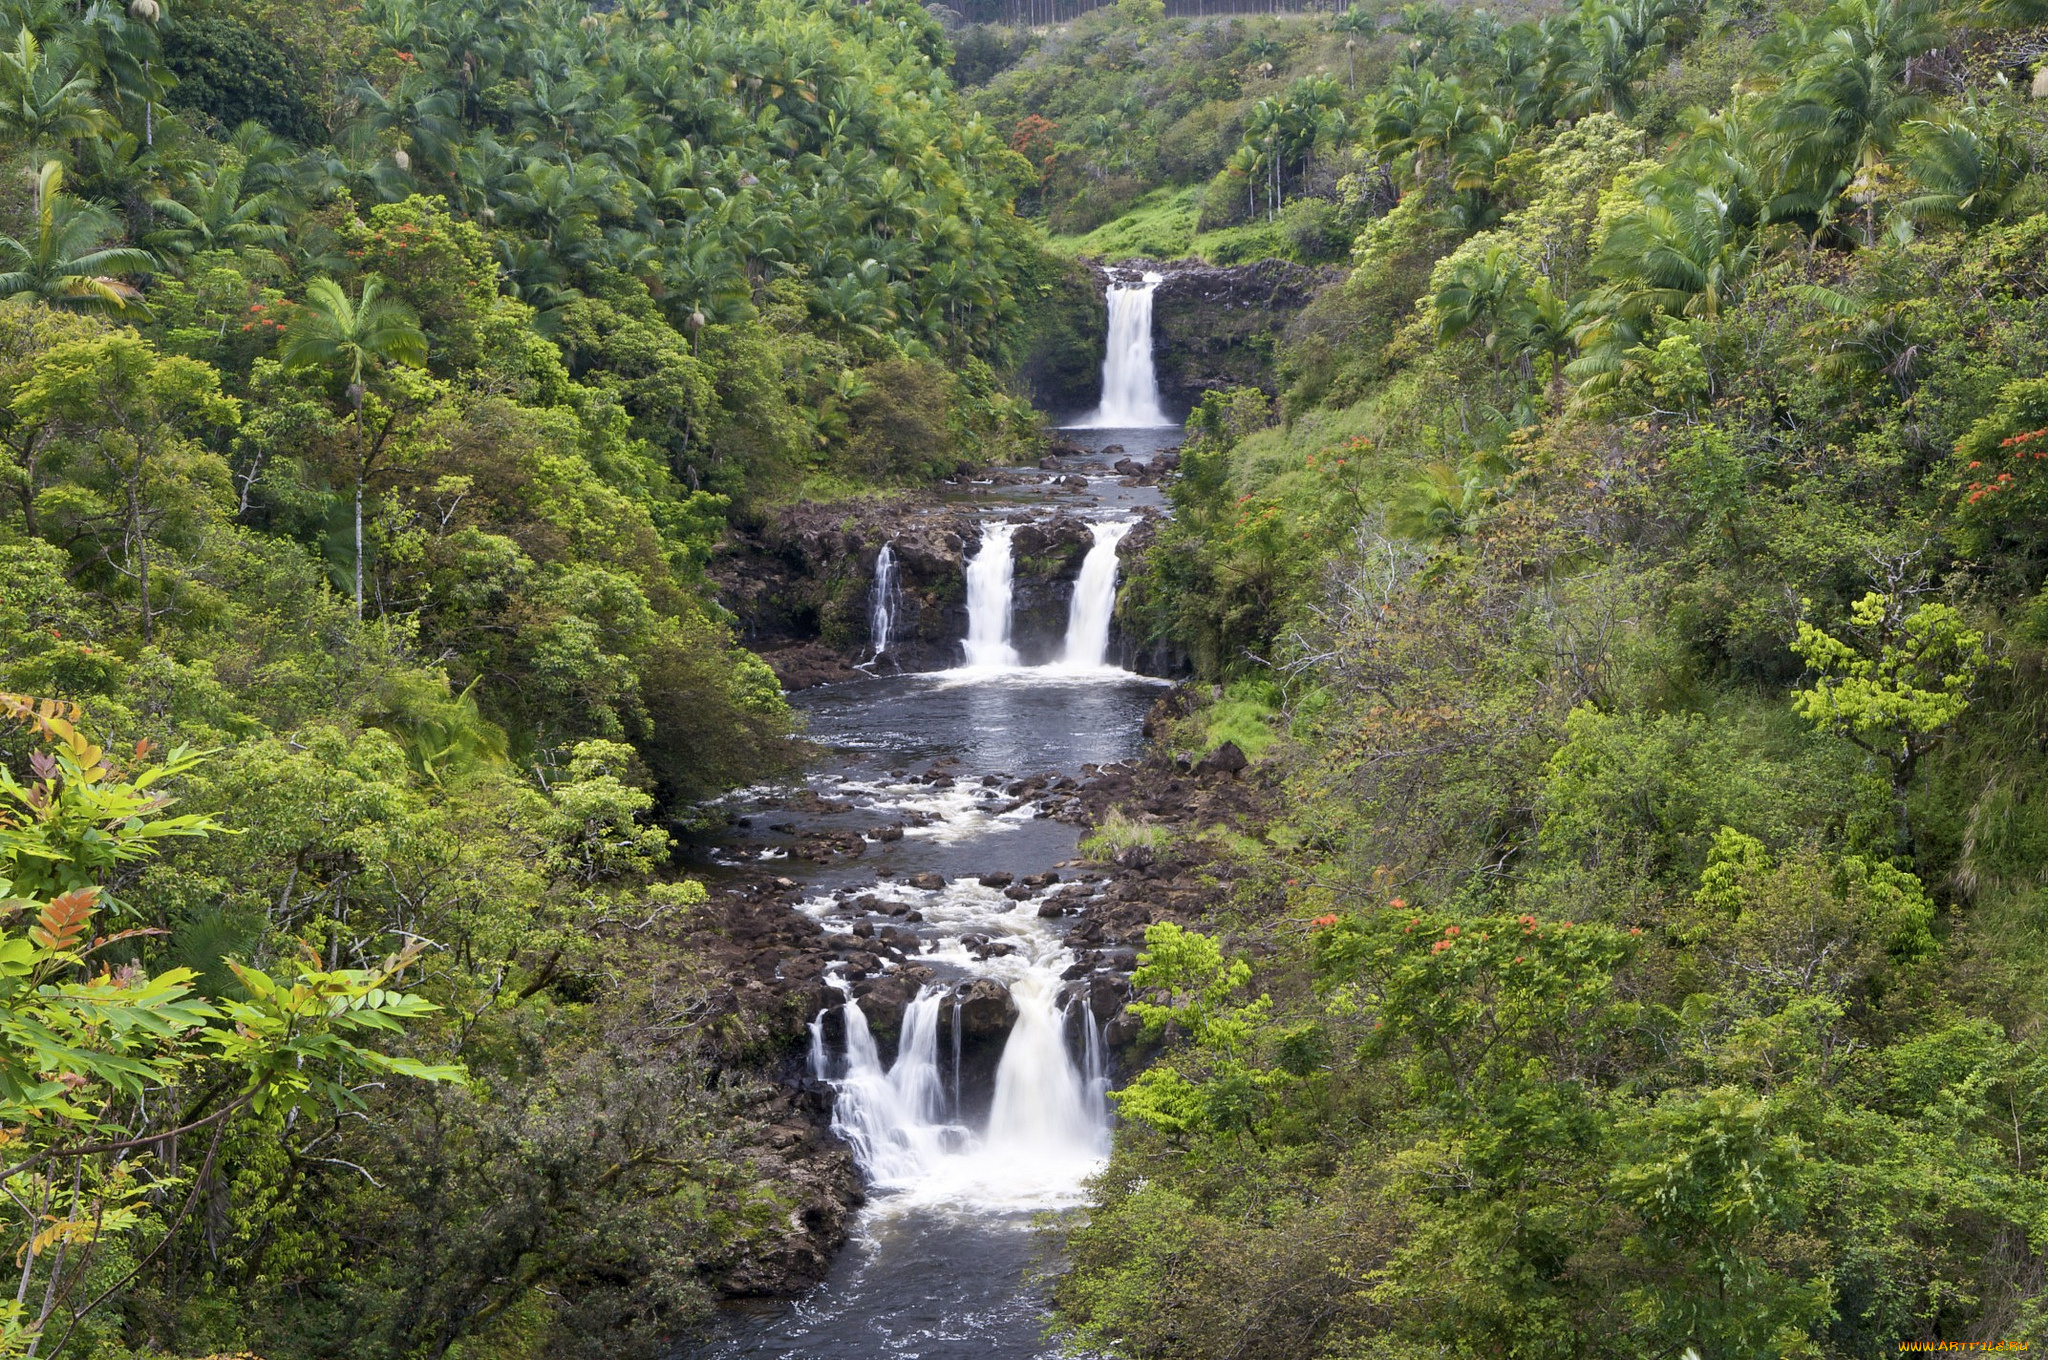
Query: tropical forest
[[1163, 680]]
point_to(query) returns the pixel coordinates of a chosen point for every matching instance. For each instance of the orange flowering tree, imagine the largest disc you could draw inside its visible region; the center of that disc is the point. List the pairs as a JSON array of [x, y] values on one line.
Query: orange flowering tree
[[2001, 486]]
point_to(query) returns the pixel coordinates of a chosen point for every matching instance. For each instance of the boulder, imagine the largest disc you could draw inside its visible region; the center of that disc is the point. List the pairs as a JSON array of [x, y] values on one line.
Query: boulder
[[986, 1009]]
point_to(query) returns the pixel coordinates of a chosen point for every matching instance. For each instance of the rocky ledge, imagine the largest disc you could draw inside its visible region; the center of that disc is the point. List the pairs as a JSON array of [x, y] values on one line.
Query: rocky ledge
[[802, 580]]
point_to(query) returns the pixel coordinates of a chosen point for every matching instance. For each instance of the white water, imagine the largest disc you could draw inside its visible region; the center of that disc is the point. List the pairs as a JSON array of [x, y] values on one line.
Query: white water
[[888, 597], [1048, 1127], [1130, 384], [891, 1117], [989, 577], [1095, 597]]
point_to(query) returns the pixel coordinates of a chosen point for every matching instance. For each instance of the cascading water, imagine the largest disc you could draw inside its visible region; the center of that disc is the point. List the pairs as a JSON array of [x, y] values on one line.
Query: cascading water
[[1043, 1107], [989, 577], [1095, 597], [887, 599], [1130, 384], [1047, 1128], [891, 1116]]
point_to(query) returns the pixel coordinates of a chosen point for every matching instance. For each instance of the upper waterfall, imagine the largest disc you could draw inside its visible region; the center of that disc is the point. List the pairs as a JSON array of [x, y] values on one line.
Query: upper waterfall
[[1095, 597], [1130, 384]]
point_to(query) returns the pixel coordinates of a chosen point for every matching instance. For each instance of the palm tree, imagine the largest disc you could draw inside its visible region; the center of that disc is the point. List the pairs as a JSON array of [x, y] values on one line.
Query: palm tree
[[332, 332], [1965, 167], [1684, 251], [219, 218], [1478, 299], [1838, 119], [68, 263], [42, 95]]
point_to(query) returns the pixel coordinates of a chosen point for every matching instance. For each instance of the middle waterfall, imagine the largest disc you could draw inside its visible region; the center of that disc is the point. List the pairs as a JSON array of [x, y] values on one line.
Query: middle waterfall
[[1094, 602], [990, 576]]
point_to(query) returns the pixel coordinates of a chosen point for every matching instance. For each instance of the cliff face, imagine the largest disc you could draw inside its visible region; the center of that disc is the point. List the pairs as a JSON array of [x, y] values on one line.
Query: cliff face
[[1216, 326]]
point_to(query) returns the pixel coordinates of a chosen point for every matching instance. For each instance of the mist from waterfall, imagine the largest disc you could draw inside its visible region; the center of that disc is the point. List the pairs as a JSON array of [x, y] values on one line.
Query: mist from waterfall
[[1094, 602], [990, 576], [1130, 383]]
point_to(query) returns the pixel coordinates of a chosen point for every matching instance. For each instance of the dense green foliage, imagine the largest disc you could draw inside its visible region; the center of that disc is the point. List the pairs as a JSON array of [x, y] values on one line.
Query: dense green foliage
[[1638, 582], [375, 384]]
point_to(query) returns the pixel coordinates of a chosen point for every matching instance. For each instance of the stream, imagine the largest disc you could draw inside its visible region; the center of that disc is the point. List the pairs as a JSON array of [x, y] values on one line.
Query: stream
[[969, 1150]]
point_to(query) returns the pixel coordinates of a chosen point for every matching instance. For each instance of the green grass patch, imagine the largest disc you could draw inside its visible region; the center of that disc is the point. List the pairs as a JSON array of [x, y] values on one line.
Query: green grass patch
[[1161, 226], [1117, 833]]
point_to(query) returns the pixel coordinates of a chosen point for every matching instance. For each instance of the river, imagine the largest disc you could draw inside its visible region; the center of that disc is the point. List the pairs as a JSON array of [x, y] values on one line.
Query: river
[[969, 1163]]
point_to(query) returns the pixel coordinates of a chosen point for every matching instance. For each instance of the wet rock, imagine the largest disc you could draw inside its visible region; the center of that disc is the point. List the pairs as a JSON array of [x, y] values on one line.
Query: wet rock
[[996, 880], [883, 999], [928, 881], [1215, 326], [1107, 996], [887, 834], [986, 1009], [1020, 893], [985, 947]]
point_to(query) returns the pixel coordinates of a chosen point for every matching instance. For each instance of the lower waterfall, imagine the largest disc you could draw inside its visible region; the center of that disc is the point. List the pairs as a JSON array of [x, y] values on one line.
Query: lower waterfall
[[1047, 1127]]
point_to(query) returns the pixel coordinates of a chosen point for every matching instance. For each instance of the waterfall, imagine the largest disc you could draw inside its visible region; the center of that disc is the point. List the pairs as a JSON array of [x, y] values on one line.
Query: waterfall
[[1130, 385], [1046, 1132], [1043, 1105], [1095, 1052], [1095, 597], [988, 600], [956, 1056], [887, 599], [891, 1116]]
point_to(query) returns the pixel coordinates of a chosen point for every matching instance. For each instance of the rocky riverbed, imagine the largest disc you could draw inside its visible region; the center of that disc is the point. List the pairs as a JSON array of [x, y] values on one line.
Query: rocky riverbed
[[774, 960]]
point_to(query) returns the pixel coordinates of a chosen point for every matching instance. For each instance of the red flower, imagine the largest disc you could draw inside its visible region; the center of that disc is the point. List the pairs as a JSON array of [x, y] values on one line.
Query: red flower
[[1328, 918], [1398, 903]]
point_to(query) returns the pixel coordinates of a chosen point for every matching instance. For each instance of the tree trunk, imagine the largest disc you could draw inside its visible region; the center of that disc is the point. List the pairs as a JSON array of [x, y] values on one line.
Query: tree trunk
[[360, 471], [141, 563]]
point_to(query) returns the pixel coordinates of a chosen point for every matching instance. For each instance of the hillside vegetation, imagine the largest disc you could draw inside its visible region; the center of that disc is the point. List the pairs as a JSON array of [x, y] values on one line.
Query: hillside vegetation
[[1634, 586], [375, 383]]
